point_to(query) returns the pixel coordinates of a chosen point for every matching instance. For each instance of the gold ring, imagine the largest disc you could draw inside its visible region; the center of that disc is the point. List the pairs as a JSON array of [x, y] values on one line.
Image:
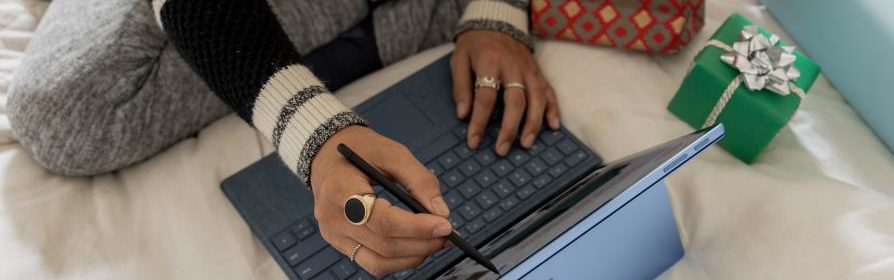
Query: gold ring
[[358, 207], [355, 251], [514, 85], [487, 82]]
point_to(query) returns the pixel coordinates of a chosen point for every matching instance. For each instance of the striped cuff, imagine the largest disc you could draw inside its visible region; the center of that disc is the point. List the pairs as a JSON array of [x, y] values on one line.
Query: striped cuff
[[298, 123], [507, 16]]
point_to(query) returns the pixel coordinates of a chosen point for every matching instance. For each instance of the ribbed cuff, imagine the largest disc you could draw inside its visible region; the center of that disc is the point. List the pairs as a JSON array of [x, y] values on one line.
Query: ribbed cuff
[[298, 114], [509, 17]]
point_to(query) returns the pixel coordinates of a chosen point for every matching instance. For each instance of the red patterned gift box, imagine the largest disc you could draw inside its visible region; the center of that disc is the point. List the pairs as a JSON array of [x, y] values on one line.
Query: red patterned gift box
[[662, 26]]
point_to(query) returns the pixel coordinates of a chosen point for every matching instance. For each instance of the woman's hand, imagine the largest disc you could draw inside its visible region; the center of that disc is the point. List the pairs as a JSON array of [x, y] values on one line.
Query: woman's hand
[[481, 53], [393, 239]]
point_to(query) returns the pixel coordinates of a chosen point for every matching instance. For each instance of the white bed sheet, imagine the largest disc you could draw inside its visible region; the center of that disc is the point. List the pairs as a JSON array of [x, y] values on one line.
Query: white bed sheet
[[817, 204]]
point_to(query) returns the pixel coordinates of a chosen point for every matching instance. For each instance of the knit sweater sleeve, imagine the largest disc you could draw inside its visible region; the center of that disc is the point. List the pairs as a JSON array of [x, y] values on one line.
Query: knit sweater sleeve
[[507, 16], [243, 54]]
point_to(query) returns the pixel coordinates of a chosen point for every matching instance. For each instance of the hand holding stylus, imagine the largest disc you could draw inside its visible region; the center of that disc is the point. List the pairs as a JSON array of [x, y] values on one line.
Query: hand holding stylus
[[392, 239]]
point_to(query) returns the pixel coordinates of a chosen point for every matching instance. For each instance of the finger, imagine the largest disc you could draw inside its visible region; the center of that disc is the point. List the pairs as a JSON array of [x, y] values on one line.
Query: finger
[[398, 247], [536, 108], [514, 102], [372, 262], [483, 106], [389, 247], [462, 83], [392, 221], [552, 108], [418, 180]]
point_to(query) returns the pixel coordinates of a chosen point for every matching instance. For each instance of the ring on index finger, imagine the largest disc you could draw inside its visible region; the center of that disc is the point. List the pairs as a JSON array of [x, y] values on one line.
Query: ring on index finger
[[358, 207], [487, 82]]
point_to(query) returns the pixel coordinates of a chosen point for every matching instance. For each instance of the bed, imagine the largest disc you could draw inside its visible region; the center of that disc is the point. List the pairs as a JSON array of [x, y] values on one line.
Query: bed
[[816, 205]]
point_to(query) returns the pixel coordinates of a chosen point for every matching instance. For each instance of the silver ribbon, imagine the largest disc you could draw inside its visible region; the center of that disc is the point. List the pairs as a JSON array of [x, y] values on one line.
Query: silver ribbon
[[761, 63]]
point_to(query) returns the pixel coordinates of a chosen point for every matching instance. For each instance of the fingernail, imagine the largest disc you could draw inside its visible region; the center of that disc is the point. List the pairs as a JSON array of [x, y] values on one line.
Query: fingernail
[[442, 230], [503, 148], [440, 206], [528, 140], [474, 140], [460, 110], [554, 123]]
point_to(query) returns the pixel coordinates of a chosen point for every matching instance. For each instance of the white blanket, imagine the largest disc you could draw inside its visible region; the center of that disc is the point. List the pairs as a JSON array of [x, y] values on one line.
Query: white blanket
[[817, 204]]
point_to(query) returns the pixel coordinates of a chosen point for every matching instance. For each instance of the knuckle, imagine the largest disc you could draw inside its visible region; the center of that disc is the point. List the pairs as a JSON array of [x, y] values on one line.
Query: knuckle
[[518, 102], [389, 251], [429, 179], [382, 227], [487, 100]]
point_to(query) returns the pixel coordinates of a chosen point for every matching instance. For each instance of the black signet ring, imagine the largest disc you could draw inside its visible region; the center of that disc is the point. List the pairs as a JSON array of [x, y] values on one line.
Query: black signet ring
[[358, 207]]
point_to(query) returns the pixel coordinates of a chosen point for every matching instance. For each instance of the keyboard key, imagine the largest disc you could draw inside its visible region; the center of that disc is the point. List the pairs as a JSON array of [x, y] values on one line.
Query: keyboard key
[[456, 219], [508, 203], [344, 269], [469, 189], [360, 276], [469, 168], [474, 226], [469, 210], [486, 157], [453, 178], [448, 160], [551, 156], [453, 199], [502, 168], [300, 226], [402, 274], [575, 158], [520, 177], [567, 146], [304, 233], [485, 178], [542, 181], [536, 148], [518, 157], [525, 192], [284, 240], [557, 170], [435, 168], [436, 147], [325, 276], [461, 131], [493, 130], [492, 214], [486, 199], [503, 188], [549, 137], [535, 166], [318, 263], [305, 249], [463, 151]]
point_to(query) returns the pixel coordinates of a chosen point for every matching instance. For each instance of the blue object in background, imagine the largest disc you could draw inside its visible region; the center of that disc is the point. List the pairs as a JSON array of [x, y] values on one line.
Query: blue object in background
[[639, 241], [853, 41]]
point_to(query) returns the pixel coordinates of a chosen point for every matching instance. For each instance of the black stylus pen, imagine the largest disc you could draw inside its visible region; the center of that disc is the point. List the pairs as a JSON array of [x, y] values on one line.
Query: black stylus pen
[[414, 205]]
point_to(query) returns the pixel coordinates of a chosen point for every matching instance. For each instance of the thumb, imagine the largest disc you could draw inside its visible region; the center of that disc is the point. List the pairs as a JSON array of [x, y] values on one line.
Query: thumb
[[419, 181]]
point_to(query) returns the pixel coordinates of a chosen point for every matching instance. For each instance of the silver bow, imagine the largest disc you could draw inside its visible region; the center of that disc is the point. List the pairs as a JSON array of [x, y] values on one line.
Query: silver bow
[[761, 62]]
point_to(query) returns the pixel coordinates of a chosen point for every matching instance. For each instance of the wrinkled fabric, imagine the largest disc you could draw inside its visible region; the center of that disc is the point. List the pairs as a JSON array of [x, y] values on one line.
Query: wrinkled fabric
[[816, 205]]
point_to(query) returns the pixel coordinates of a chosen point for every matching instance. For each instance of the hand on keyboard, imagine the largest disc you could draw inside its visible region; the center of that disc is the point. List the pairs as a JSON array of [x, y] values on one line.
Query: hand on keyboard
[[393, 239], [528, 98]]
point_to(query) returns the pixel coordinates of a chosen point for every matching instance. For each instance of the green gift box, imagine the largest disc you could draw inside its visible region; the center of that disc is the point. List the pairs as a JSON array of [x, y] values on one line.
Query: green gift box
[[724, 85]]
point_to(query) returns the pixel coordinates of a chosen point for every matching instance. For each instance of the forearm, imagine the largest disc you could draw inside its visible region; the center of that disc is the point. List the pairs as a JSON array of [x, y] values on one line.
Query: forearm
[[242, 53], [507, 16]]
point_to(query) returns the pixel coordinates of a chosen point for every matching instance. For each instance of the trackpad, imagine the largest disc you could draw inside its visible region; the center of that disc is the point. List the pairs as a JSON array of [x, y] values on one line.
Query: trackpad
[[397, 118]]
